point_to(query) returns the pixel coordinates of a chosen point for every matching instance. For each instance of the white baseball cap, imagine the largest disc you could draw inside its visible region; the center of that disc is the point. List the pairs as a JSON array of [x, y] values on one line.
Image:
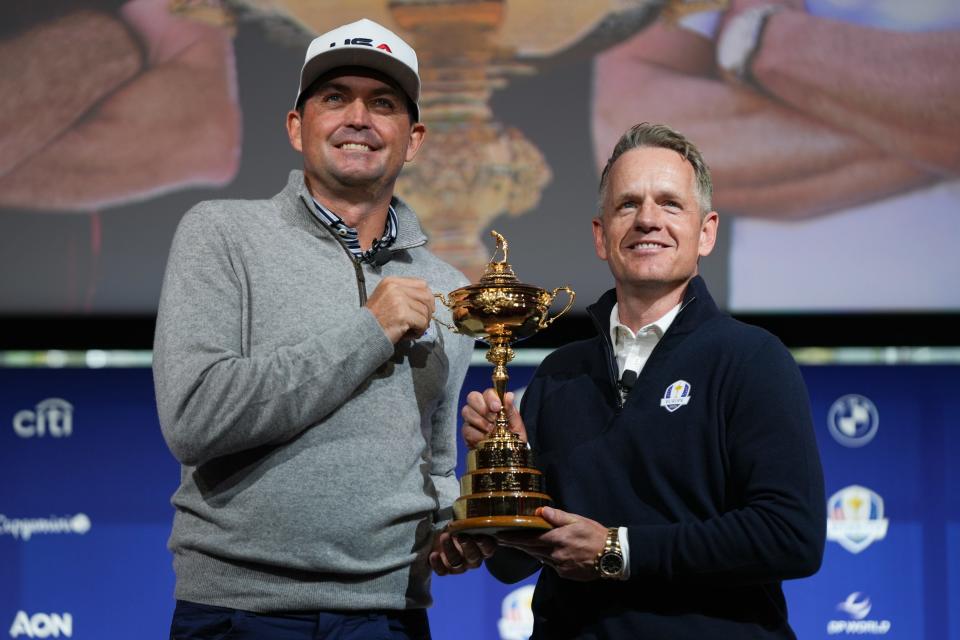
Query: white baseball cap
[[363, 43]]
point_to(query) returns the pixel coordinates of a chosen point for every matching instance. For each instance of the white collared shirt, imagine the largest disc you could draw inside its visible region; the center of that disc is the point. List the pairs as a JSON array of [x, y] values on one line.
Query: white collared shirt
[[632, 351]]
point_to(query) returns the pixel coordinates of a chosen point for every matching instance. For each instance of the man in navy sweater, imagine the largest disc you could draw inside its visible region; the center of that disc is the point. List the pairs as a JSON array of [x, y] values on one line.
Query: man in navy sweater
[[677, 444]]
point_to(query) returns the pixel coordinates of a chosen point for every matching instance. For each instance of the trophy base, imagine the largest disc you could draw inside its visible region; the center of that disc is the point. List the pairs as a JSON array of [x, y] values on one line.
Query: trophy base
[[492, 525]]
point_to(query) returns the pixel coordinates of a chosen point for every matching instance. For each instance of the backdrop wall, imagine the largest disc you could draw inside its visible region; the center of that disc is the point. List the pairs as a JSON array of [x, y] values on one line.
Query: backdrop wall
[[86, 480]]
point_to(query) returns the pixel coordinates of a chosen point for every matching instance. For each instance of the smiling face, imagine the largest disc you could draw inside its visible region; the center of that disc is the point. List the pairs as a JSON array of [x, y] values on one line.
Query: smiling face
[[650, 230], [355, 133]]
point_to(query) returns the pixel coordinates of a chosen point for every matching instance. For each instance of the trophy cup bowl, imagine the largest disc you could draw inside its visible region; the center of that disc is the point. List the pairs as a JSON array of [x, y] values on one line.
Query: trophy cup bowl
[[502, 488]]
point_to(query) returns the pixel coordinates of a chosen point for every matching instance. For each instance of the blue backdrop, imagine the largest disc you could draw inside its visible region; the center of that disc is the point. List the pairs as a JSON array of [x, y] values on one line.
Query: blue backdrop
[[85, 513]]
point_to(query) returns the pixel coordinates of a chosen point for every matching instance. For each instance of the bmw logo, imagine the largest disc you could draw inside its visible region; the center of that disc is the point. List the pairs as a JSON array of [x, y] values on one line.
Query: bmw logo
[[853, 420]]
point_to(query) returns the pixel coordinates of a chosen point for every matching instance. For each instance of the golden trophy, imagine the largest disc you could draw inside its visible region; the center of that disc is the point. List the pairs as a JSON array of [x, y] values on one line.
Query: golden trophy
[[502, 488]]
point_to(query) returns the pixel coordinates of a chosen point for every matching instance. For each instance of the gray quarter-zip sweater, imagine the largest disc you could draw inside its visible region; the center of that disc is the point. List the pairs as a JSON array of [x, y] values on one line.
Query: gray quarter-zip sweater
[[317, 458]]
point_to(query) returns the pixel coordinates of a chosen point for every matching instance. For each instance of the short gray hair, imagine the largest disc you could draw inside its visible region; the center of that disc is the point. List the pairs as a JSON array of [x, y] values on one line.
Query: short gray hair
[[646, 134]]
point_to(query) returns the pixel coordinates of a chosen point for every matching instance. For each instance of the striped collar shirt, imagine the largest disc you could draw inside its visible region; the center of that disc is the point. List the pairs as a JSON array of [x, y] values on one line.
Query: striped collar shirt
[[349, 234]]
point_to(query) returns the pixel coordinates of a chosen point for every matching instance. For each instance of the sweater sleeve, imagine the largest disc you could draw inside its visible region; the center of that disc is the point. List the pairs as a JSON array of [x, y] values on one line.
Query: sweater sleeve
[[775, 527], [212, 398], [443, 436]]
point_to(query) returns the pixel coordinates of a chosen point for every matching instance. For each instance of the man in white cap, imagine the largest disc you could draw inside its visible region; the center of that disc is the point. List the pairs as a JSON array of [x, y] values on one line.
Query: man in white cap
[[301, 381]]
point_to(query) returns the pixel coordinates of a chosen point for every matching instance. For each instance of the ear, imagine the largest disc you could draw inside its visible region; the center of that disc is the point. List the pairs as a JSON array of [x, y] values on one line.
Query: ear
[[294, 121], [598, 244], [417, 133], [708, 232]]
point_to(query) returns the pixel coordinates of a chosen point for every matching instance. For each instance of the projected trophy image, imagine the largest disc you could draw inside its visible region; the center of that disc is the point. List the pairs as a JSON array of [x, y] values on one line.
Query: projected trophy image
[[502, 488]]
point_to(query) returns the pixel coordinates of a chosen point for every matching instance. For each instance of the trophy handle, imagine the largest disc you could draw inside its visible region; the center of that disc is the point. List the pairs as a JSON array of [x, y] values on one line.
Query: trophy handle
[[443, 301], [545, 321]]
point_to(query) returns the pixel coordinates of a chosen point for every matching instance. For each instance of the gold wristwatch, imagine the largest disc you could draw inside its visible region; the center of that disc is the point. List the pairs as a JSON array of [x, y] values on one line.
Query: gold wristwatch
[[609, 562]]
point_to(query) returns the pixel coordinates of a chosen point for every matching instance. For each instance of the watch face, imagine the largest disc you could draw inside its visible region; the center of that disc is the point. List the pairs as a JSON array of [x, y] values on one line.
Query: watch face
[[611, 564]]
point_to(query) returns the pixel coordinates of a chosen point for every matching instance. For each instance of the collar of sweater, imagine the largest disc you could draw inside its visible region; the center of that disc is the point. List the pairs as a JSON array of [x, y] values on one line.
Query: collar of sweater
[[295, 208], [697, 307]]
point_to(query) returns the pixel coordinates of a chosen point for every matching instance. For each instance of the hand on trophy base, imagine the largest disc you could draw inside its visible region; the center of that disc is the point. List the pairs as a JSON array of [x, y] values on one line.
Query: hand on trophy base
[[456, 554]]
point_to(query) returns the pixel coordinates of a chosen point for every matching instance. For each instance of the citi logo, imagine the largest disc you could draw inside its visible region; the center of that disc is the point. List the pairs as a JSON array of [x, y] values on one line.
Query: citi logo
[[42, 625], [25, 528], [53, 417]]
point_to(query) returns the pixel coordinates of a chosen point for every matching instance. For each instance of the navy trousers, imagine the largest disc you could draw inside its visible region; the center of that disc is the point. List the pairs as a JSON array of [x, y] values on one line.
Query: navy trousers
[[192, 621]]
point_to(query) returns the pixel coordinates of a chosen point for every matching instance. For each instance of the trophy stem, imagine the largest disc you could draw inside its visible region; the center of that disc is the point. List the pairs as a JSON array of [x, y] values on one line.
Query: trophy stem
[[499, 354]]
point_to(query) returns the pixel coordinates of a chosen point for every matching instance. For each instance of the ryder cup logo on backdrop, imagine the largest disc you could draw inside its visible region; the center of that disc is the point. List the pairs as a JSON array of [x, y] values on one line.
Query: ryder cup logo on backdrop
[[42, 625], [53, 417], [516, 615], [855, 518], [853, 420], [676, 395], [857, 606]]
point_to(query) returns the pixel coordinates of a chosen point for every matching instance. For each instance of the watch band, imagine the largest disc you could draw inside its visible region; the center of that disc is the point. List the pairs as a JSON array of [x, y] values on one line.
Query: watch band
[[740, 39], [609, 562]]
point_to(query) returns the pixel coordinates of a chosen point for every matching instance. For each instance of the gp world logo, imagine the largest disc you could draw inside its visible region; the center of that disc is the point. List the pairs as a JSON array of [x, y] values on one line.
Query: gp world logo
[[52, 417], [853, 420], [366, 42], [857, 606]]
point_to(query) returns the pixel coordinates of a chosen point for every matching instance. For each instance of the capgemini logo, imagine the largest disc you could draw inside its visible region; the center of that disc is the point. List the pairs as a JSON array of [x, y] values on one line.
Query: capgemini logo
[[53, 417], [26, 528]]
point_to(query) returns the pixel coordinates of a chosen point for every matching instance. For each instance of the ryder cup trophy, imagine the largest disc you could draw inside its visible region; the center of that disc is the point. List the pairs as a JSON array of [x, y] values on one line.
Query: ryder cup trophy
[[501, 489]]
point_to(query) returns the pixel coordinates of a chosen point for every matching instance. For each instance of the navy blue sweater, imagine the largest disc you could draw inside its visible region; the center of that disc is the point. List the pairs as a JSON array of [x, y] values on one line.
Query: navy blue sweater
[[722, 496]]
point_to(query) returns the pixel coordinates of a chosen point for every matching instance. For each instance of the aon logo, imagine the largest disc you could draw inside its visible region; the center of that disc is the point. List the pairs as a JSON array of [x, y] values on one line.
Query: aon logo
[[42, 625]]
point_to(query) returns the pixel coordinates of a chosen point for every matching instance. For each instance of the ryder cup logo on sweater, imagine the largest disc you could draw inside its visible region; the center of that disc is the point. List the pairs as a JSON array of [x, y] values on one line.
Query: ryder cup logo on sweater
[[855, 518], [853, 420], [676, 395], [857, 607]]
